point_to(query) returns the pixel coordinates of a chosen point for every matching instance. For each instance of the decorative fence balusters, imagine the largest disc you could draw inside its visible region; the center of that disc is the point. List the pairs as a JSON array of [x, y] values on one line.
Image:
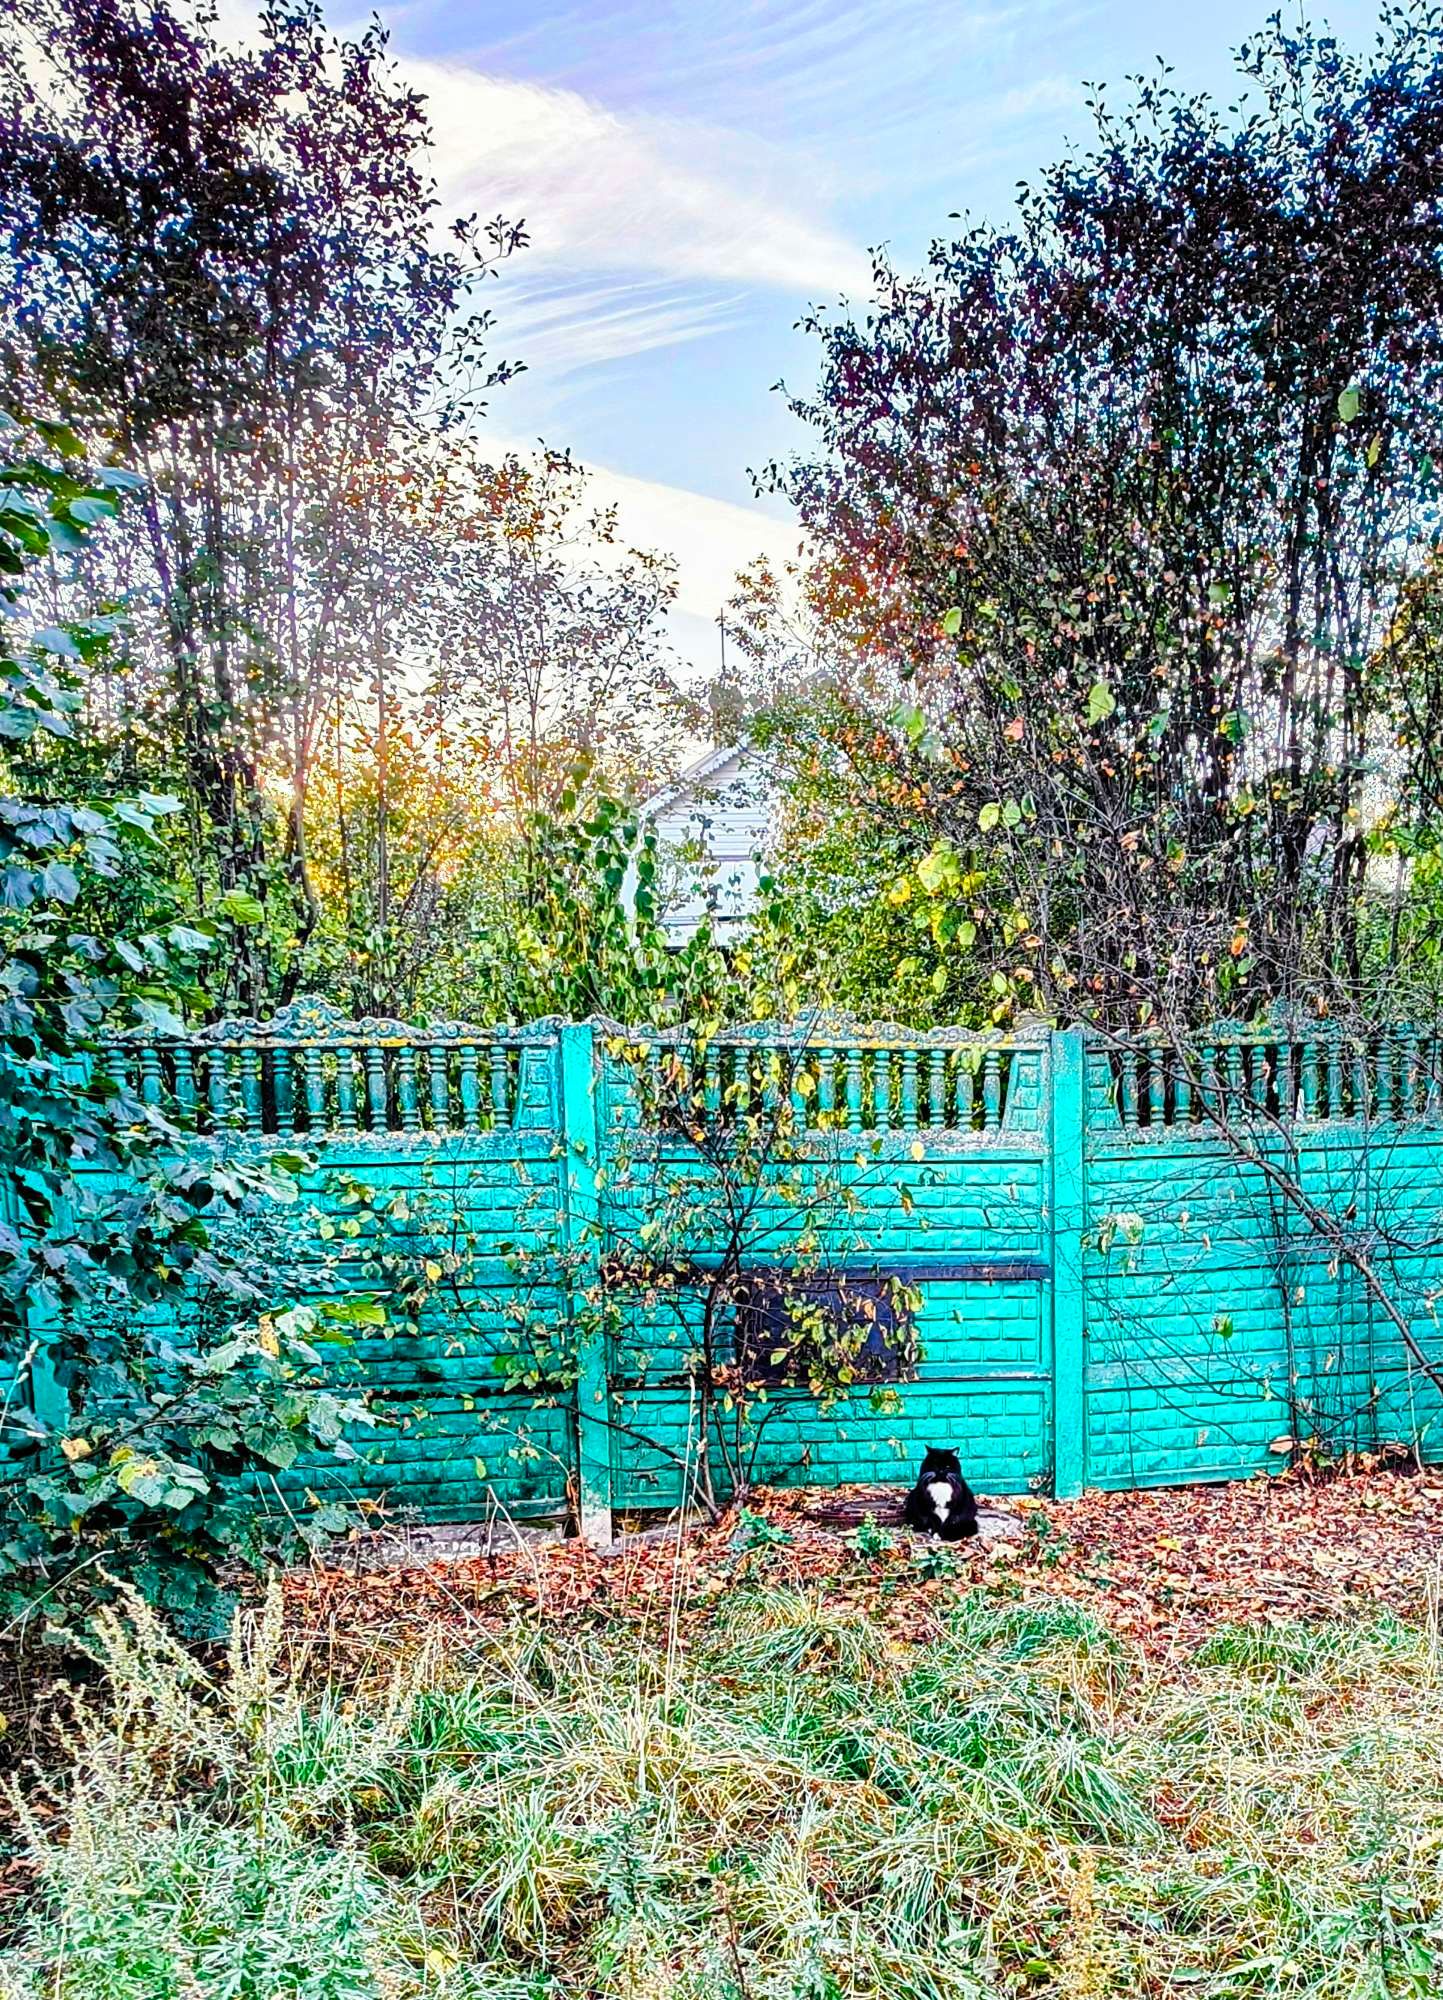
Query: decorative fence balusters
[[1182, 1094], [1259, 1071], [966, 1092], [183, 1061], [882, 1089], [500, 1087], [1334, 1054], [1229, 1068], [116, 1067], [742, 1080], [991, 1091], [1127, 1096], [827, 1085], [771, 1083], [150, 1075], [314, 1071], [406, 1089], [1155, 1093], [937, 1089], [1410, 1076], [438, 1078], [854, 1090], [339, 1076], [800, 1077], [470, 1088], [1358, 1078], [909, 1090], [346, 1113], [377, 1095], [1206, 1085], [284, 1091], [217, 1088], [1382, 1078], [250, 1083], [1312, 1063]]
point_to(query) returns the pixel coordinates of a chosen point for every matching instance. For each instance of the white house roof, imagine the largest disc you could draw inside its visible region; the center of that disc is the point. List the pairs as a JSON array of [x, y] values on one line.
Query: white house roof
[[711, 764]]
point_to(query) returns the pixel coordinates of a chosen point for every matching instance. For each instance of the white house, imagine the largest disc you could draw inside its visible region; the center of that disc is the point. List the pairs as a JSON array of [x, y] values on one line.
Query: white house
[[713, 824]]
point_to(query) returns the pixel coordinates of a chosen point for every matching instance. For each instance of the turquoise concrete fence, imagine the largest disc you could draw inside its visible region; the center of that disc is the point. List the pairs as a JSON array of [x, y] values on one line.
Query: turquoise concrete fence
[[1121, 1264]]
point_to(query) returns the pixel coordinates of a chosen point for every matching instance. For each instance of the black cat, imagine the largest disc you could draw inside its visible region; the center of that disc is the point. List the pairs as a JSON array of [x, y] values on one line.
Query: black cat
[[941, 1503]]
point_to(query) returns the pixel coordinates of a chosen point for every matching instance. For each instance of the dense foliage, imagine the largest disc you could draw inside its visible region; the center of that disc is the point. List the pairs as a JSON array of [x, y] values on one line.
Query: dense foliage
[[126, 1435], [365, 659], [1134, 493], [223, 264]]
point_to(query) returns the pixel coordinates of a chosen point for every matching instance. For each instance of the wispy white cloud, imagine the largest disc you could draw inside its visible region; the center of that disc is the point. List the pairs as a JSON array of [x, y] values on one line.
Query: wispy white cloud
[[798, 68], [711, 539], [633, 193], [1043, 93], [886, 92], [644, 228], [560, 325]]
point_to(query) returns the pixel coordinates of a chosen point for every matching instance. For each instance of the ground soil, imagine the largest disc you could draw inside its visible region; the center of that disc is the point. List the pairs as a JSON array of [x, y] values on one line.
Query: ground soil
[[1160, 1568]]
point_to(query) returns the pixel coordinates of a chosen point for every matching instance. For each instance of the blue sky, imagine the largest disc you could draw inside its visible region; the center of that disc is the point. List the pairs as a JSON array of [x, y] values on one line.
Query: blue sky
[[694, 175]]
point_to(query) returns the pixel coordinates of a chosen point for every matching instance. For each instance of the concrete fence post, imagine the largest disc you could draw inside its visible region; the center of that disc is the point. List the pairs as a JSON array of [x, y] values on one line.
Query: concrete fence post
[[38, 1388], [581, 1242], [1067, 1148]]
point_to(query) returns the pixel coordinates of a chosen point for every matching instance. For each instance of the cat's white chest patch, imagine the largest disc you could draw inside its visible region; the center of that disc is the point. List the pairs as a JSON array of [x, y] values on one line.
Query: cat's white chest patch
[[939, 1492]]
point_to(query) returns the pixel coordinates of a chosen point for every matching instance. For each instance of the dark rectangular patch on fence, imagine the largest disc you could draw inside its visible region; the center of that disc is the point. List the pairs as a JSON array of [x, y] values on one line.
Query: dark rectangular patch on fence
[[781, 1323], [1019, 1270]]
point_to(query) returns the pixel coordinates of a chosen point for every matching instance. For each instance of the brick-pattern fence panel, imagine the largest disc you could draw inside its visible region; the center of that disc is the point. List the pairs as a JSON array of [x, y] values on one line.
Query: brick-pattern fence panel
[[946, 1193], [485, 1213], [1223, 1315]]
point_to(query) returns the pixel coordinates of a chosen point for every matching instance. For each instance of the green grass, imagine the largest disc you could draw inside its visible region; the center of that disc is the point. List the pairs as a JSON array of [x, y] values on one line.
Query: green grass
[[796, 1807]]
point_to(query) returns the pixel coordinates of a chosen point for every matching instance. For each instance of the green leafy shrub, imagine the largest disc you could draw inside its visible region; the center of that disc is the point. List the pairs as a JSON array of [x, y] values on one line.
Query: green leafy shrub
[[149, 1380]]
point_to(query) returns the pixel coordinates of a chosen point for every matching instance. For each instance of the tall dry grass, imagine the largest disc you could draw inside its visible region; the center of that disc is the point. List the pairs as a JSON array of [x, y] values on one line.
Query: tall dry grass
[[797, 1807]]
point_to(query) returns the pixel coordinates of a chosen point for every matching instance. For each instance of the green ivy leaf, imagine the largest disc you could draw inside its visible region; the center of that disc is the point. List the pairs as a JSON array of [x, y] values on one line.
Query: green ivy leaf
[[241, 907], [90, 510], [1101, 702]]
